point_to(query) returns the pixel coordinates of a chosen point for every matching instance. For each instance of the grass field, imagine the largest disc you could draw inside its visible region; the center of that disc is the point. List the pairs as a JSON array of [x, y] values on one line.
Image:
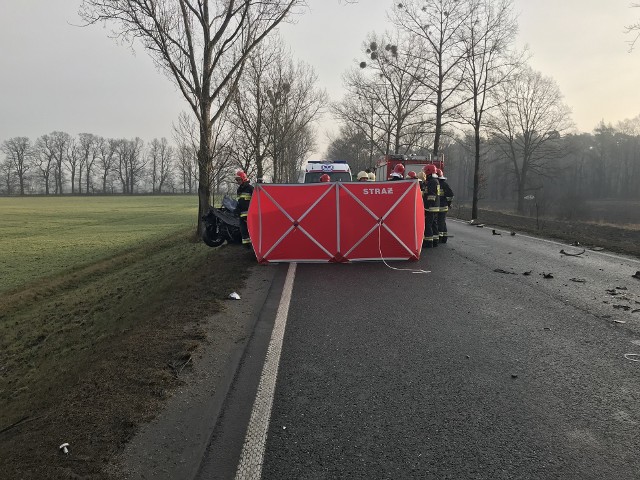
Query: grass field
[[45, 236], [99, 297]]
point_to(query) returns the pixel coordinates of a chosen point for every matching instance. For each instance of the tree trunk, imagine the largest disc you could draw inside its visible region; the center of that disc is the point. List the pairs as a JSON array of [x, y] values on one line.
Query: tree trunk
[[476, 174], [204, 163]]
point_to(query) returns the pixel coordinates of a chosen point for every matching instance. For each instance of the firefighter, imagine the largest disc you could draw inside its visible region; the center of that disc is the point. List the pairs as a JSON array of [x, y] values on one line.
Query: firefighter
[[325, 178], [398, 172], [244, 193], [445, 196], [412, 175], [431, 207], [372, 177], [363, 176], [422, 178]]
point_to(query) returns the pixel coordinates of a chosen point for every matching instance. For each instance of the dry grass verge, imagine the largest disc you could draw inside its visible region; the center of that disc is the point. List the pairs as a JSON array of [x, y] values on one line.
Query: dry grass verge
[[91, 355]]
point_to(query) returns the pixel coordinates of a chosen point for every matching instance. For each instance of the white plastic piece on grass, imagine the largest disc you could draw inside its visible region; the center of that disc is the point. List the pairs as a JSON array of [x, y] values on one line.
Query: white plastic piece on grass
[[234, 296]]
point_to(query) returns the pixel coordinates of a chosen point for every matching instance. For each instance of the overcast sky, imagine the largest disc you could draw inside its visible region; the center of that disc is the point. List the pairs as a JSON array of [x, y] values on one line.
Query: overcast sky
[[57, 76]]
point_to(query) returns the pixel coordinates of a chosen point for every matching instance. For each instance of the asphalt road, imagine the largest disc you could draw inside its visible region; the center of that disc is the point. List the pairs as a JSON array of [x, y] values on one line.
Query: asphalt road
[[472, 371]]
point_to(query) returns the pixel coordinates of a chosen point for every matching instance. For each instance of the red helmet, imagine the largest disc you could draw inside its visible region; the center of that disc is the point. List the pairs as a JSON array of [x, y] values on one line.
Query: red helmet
[[242, 176], [439, 172], [399, 168], [429, 169], [325, 178], [412, 174]]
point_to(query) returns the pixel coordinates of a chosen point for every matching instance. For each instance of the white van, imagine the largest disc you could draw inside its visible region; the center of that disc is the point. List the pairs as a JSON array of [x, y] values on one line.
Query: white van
[[338, 171]]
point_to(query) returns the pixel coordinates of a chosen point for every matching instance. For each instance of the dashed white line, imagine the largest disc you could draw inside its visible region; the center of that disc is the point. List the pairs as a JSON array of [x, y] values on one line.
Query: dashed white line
[[252, 456]]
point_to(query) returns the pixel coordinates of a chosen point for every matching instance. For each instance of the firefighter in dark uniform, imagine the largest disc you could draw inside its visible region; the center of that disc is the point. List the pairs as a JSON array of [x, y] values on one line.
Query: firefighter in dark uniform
[[445, 197], [244, 193], [431, 207]]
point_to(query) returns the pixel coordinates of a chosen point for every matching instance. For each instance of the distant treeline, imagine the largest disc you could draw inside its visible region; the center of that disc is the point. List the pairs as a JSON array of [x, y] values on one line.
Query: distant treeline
[[562, 177], [58, 164]]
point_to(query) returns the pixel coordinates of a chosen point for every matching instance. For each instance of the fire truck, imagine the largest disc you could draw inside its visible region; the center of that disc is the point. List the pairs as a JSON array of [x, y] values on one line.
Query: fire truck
[[415, 163]]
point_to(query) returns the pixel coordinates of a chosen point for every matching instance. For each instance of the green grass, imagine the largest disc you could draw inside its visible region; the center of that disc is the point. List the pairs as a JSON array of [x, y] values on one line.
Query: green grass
[[47, 236], [100, 299]]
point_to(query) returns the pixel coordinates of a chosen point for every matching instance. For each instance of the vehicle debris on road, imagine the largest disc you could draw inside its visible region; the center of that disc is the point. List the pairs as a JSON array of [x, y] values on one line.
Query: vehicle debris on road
[[563, 252]]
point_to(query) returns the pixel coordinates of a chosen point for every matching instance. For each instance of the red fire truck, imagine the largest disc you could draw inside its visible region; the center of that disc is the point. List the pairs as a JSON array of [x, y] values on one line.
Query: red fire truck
[[386, 164]]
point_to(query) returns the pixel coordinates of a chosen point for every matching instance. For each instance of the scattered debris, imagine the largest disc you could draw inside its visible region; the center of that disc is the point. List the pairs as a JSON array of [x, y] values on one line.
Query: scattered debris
[[572, 254], [499, 270], [597, 249], [612, 291], [526, 274], [513, 234], [513, 375], [626, 308], [636, 310], [622, 288], [634, 357], [495, 233], [578, 280], [636, 275], [618, 321], [234, 296], [547, 275], [64, 448], [575, 244], [546, 328], [480, 225]]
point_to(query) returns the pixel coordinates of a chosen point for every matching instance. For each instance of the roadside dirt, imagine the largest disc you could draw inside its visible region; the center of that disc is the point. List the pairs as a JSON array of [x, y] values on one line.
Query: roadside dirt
[[119, 413], [101, 405], [615, 238]]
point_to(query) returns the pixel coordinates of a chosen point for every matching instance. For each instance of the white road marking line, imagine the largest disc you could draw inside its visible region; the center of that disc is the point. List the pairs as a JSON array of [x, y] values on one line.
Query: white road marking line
[[252, 456]]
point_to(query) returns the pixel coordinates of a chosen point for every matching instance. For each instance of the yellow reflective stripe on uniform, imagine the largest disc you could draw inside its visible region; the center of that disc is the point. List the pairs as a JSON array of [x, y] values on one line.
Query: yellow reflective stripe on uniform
[[246, 240], [244, 214], [444, 209], [431, 197], [244, 196]]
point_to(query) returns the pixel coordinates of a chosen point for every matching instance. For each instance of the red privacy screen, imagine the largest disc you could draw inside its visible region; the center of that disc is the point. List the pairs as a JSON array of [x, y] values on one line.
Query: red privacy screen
[[337, 222]]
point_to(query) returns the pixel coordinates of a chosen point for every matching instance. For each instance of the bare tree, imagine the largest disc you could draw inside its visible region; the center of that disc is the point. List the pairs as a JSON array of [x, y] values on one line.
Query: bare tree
[[185, 134], [201, 45], [19, 153], [395, 86], [130, 163], [44, 159], [295, 102], [61, 144], [633, 29], [160, 157], [526, 125], [440, 25], [250, 103], [351, 145], [8, 177], [73, 159], [487, 36], [89, 148], [106, 159], [187, 167]]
